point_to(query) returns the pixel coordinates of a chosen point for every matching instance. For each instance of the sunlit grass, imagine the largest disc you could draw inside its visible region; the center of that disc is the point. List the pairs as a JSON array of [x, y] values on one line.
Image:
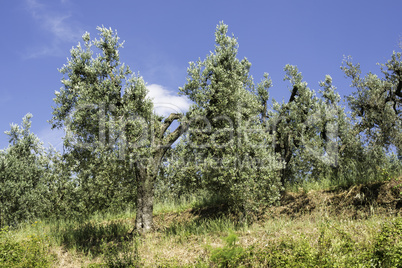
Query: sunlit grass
[[191, 243], [194, 232]]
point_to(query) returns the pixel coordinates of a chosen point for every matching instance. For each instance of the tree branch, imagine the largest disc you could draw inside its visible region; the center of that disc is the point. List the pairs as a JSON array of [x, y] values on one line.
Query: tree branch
[[294, 93], [168, 121], [398, 91], [172, 137]]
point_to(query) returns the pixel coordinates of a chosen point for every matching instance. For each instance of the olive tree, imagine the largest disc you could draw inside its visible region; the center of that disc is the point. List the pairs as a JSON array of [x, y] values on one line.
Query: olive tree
[[24, 188], [376, 103], [293, 125], [109, 118], [226, 141]]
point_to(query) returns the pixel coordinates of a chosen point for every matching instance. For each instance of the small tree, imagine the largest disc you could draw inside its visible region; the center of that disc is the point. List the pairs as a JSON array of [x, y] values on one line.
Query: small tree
[[312, 133], [343, 157], [23, 176], [376, 105], [293, 125], [109, 118]]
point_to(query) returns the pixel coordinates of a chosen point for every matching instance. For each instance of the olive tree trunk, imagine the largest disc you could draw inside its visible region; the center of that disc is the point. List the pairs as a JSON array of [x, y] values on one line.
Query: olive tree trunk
[[147, 173], [145, 200]]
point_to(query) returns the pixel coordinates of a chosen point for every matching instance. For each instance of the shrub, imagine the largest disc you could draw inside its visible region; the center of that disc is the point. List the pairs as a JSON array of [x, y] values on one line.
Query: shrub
[[32, 252], [388, 247], [229, 255]]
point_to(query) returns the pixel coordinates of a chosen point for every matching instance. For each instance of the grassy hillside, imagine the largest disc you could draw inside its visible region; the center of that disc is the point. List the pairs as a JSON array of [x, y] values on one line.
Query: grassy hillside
[[357, 226]]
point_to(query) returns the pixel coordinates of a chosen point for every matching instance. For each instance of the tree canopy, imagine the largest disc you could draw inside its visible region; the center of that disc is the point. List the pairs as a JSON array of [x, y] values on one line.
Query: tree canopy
[[234, 143]]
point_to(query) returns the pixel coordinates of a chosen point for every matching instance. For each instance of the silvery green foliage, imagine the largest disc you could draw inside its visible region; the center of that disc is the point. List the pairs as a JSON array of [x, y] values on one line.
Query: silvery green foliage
[[23, 176], [114, 141], [317, 139], [313, 133], [104, 109], [376, 105], [343, 157], [352, 160], [376, 120], [263, 97], [179, 175], [227, 149], [296, 127], [99, 93]]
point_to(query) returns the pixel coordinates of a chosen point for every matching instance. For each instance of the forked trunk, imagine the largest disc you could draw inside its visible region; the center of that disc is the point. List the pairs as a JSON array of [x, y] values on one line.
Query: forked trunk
[[147, 172]]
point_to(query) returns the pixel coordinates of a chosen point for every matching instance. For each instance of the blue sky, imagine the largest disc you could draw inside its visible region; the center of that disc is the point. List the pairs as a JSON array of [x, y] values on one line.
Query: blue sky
[[161, 37]]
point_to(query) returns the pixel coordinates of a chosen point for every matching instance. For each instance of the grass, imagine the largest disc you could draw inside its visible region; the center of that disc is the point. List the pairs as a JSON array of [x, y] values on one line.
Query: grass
[[382, 174], [194, 232]]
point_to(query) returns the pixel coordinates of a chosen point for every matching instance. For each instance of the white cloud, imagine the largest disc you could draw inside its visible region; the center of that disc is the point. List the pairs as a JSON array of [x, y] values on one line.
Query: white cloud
[[56, 24], [165, 102]]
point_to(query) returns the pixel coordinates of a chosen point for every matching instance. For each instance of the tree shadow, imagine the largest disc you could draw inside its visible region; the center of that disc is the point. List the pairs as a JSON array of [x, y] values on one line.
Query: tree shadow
[[95, 238], [217, 218]]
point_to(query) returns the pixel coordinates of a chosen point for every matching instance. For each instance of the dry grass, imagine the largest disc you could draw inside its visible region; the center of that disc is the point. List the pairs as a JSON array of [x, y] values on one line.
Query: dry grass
[[157, 249], [186, 237], [71, 259]]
